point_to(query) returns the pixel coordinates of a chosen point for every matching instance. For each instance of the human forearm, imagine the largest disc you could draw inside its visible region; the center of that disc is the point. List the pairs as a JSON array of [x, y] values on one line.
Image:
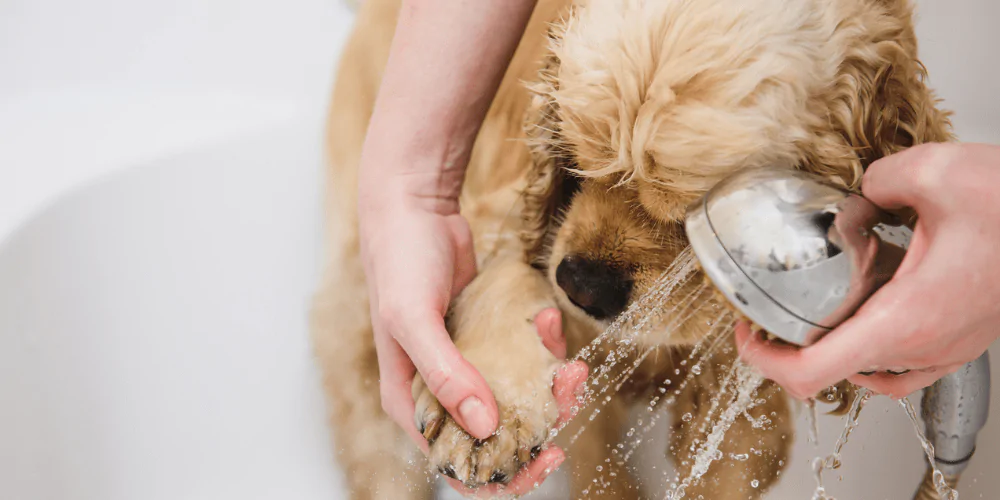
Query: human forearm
[[446, 61]]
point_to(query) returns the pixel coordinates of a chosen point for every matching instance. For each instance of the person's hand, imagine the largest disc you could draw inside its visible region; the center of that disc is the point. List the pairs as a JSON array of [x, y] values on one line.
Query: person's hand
[[418, 255], [566, 386], [940, 310], [416, 248]]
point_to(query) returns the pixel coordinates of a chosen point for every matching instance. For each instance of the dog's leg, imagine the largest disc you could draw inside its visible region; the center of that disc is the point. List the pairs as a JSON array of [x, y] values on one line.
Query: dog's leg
[[751, 458], [492, 325], [378, 459]]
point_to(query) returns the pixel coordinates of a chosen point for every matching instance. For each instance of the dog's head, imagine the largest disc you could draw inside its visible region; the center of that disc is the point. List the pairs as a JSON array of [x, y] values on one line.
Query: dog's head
[[644, 105]]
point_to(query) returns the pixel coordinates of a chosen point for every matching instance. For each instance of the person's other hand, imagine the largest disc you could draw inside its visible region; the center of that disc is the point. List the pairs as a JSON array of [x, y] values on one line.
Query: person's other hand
[[566, 386], [940, 310]]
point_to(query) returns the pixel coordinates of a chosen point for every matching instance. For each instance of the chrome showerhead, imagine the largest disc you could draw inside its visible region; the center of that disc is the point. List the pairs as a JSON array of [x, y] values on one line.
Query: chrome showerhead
[[794, 253]]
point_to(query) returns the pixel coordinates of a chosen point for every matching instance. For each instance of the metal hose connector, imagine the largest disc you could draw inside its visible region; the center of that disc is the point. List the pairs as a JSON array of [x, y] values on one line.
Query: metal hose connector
[[954, 410]]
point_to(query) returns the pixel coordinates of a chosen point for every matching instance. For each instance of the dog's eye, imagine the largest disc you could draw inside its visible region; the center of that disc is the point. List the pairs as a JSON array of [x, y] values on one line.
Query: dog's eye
[[570, 182], [570, 186]]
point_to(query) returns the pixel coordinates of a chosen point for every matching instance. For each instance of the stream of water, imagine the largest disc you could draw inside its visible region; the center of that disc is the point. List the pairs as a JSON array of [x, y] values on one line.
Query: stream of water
[[746, 381], [943, 490], [621, 338], [832, 461], [736, 396]]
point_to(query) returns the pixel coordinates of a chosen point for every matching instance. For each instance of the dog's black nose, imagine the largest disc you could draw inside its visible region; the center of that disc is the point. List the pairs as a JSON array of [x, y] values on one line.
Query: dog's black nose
[[601, 290]]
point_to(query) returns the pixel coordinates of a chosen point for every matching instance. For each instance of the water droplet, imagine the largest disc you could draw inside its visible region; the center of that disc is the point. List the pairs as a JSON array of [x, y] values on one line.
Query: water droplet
[[755, 483], [687, 417]]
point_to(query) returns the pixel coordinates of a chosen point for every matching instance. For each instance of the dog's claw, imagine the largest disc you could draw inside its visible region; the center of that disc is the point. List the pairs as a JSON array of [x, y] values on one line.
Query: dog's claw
[[448, 470], [478, 462], [498, 477], [430, 430], [429, 415]]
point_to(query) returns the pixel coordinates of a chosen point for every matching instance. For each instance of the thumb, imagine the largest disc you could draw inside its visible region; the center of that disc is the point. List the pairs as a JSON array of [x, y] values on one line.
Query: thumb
[[905, 179], [548, 323], [456, 384], [464, 252]]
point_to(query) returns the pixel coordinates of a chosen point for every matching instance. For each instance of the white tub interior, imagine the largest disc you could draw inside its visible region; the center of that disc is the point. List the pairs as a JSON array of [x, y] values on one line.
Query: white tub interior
[[159, 240], [153, 334]]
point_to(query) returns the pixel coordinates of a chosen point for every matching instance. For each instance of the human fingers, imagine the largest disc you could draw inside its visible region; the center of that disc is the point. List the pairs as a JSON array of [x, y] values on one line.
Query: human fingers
[[566, 383], [456, 384], [805, 371], [395, 381], [900, 386], [535, 473], [523, 482], [570, 377], [548, 323], [763, 355], [567, 386]]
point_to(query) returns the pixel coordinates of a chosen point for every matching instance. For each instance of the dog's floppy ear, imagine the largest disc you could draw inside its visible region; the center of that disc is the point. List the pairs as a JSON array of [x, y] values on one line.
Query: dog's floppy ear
[[881, 103], [550, 185]]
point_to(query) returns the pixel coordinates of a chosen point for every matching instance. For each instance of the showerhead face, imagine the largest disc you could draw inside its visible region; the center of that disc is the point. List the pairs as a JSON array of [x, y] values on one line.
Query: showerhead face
[[792, 252]]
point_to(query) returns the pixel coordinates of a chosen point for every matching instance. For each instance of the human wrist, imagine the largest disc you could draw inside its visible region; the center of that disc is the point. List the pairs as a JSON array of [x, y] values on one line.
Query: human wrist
[[394, 194], [403, 176]]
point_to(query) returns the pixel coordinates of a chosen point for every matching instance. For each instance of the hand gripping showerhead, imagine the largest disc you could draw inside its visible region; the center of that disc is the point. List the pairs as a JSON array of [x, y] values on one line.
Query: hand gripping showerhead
[[791, 252], [798, 256]]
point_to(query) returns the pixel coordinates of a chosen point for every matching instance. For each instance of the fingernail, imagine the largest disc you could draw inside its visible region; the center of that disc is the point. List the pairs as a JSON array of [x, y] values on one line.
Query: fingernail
[[476, 418]]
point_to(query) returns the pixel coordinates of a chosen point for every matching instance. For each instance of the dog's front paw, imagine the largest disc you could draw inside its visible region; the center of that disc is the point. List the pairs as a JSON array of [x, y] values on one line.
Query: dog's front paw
[[526, 416], [493, 326]]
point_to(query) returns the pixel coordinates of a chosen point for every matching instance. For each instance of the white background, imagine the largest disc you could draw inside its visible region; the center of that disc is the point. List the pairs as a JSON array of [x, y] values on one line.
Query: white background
[[160, 172]]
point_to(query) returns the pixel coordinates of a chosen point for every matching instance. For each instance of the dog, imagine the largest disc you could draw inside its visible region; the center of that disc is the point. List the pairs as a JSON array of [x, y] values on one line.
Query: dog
[[613, 116]]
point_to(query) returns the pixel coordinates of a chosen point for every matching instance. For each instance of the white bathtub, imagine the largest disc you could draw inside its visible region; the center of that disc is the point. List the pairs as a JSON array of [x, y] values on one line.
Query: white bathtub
[[160, 176], [152, 334]]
